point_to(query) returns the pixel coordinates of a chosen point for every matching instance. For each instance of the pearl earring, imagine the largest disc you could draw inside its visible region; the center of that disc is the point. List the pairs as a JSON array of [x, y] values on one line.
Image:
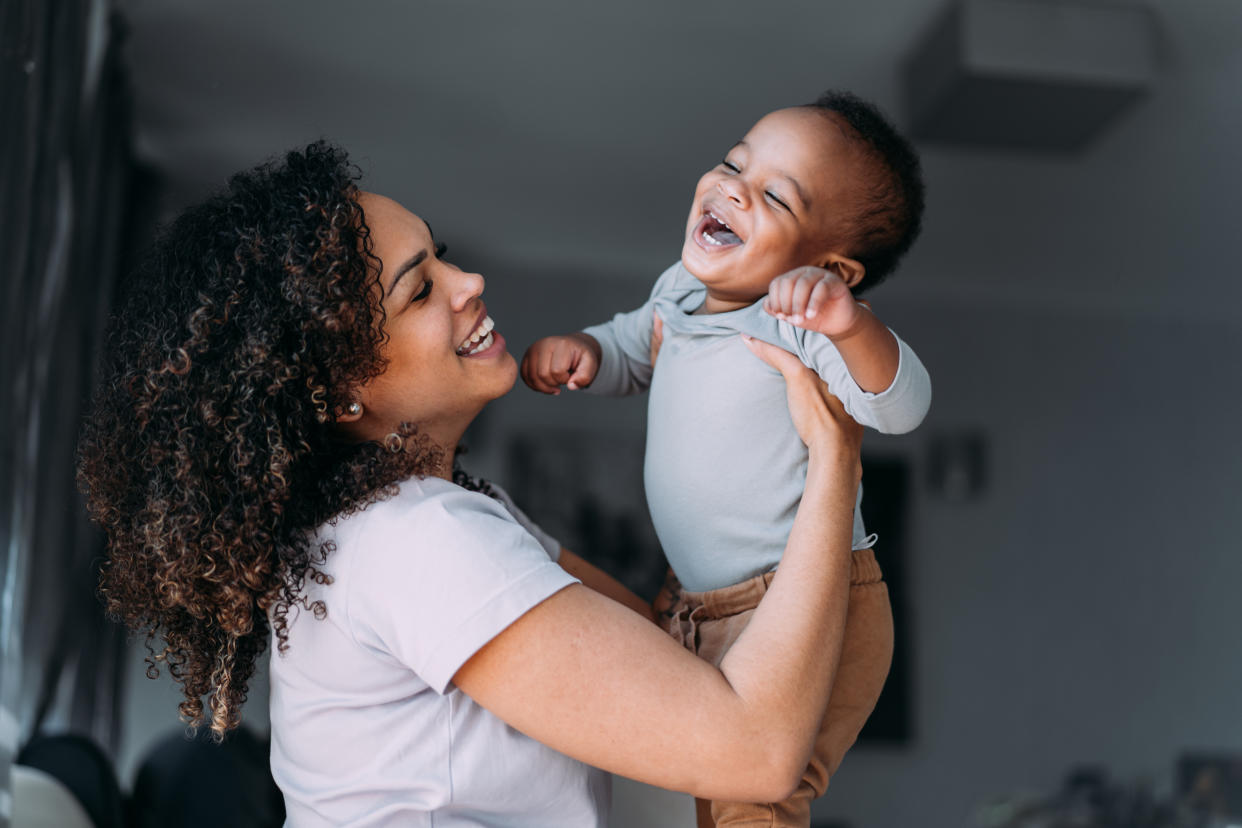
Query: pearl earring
[[354, 409]]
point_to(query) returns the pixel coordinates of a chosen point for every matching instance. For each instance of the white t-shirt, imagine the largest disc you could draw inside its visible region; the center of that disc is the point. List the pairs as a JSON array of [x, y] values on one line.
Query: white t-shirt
[[367, 726]]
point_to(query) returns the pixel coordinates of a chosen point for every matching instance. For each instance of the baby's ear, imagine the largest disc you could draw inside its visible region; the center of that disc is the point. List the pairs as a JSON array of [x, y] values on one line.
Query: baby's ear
[[850, 270]]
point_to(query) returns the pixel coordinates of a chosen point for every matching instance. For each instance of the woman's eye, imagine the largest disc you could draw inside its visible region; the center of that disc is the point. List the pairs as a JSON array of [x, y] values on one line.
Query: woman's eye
[[730, 166], [423, 292], [774, 197]]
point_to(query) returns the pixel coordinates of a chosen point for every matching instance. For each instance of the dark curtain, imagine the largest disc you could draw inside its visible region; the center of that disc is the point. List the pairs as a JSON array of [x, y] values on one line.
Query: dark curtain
[[65, 173]]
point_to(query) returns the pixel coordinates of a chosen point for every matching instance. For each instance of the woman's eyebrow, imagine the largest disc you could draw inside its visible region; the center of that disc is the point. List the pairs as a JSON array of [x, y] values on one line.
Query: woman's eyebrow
[[414, 262]]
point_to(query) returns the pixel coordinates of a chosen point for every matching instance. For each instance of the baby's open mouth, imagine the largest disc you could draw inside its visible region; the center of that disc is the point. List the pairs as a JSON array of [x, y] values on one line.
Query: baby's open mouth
[[480, 340], [712, 230]]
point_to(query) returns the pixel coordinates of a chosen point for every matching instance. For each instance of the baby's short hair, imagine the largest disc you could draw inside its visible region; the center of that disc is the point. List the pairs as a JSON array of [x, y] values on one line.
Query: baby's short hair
[[890, 214]]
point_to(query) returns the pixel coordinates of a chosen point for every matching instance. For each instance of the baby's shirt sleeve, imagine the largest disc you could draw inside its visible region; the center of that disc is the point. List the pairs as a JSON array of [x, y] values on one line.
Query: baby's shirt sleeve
[[625, 346], [895, 410], [442, 577]]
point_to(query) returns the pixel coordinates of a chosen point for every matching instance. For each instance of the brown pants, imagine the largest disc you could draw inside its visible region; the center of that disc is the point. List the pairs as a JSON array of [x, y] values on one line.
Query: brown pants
[[707, 624]]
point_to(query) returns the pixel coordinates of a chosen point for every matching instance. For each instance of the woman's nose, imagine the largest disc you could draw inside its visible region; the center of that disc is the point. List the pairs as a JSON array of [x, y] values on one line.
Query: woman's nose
[[734, 191], [467, 286]]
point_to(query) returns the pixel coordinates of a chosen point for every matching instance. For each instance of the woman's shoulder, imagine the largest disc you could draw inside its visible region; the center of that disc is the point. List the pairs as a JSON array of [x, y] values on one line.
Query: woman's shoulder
[[420, 508], [432, 533]]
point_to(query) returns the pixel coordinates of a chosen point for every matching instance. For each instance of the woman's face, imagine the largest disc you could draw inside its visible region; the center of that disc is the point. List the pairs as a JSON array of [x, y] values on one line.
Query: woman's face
[[444, 361]]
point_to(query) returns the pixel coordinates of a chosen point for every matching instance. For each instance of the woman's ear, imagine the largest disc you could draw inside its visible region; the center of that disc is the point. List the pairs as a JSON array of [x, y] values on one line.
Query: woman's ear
[[850, 270], [351, 413]]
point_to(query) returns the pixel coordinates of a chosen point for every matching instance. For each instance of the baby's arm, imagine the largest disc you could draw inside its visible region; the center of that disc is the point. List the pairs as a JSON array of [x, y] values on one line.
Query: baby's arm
[[818, 300], [881, 381], [610, 358], [613, 358]]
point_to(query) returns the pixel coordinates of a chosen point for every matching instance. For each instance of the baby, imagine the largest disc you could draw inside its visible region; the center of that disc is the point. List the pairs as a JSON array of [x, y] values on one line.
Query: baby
[[814, 205]]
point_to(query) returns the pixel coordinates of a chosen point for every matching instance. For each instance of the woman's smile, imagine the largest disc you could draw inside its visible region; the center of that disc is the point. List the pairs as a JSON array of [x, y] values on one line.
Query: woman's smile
[[482, 340]]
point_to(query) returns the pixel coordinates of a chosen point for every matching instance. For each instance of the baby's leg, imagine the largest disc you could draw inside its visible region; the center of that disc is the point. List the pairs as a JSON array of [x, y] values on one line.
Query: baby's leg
[[709, 629]]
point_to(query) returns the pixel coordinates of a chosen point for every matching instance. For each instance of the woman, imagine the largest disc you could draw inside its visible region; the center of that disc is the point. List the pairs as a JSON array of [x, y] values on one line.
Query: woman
[[271, 451]]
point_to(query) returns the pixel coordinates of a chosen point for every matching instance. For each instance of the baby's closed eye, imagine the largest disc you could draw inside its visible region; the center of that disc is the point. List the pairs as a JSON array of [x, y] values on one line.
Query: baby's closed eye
[[771, 196]]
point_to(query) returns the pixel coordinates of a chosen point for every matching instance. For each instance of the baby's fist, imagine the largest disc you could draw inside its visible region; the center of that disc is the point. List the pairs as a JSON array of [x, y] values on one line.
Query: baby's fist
[[814, 299], [571, 360]]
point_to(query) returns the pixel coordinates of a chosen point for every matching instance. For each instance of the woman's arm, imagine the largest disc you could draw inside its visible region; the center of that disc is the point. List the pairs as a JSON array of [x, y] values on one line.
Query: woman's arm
[[586, 676], [603, 583]]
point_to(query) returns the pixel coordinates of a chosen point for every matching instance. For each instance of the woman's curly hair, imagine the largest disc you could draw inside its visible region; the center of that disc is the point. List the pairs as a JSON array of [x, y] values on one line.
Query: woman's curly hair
[[210, 453]]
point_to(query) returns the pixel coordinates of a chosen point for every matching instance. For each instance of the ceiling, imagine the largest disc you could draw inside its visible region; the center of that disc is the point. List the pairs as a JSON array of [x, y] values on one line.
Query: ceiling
[[565, 134], [546, 128]]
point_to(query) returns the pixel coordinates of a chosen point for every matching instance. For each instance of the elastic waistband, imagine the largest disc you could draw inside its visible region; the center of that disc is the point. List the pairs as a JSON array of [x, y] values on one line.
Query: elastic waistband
[[730, 600]]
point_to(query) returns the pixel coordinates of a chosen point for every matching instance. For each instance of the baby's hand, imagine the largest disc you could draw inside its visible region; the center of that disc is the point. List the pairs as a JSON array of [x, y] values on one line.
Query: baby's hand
[[571, 360], [814, 299]]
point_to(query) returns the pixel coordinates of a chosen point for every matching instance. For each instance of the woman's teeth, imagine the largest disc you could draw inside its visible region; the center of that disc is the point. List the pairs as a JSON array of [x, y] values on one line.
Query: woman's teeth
[[480, 340]]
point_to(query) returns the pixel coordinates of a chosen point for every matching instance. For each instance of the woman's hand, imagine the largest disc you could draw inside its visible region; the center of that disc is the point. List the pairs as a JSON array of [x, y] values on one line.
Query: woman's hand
[[818, 416]]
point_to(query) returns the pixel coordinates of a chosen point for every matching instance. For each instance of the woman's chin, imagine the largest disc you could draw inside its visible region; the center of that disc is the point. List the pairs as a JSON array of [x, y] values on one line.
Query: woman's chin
[[508, 369]]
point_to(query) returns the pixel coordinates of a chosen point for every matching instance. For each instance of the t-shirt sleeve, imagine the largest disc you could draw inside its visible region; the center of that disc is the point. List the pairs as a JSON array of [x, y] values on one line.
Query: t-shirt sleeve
[[550, 544], [625, 346], [440, 577], [895, 410]]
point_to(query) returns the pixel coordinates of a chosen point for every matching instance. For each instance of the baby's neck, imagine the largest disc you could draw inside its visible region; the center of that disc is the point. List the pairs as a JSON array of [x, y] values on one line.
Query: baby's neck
[[717, 304]]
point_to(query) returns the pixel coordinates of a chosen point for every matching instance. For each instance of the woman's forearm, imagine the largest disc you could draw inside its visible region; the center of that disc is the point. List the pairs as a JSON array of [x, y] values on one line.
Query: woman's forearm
[[781, 666]]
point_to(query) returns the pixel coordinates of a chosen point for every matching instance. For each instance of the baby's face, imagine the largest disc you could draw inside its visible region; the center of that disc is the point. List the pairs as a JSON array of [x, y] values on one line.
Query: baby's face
[[769, 207]]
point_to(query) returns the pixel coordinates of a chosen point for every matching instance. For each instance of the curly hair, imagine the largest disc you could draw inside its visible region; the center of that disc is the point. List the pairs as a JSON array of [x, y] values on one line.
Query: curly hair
[[209, 454], [890, 214]]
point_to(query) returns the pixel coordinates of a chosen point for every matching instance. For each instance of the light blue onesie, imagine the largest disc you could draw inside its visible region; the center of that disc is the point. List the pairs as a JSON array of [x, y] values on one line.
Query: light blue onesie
[[725, 468]]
